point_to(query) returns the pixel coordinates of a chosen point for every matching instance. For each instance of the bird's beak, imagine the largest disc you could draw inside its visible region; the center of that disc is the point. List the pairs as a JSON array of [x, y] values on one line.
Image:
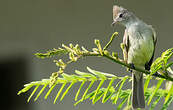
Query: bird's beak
[[113, 23]]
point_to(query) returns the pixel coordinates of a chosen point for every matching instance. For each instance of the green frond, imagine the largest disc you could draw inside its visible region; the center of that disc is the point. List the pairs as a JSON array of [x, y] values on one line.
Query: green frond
[[59, 92], [40, 92], [79, 77], [167, 54], [169, 94], [49, 91], [77, 94], [25, 89], [125, 96], [99, 86], [67, 90], [109, 94], [84, 74], [147, 81], [155, 102], [120, 88], [129, 100], [97, 97], [107, 89], [169, 65], [86, 91], [165, 106], [97, 73], [161, 63], [30, 85], [156, 89], [33, 93], [103, 94], [122, 103]]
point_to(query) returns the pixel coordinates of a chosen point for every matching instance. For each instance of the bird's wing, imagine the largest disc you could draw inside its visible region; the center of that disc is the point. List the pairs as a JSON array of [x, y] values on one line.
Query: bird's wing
[[148, 64], [154, 35], [126, 45]]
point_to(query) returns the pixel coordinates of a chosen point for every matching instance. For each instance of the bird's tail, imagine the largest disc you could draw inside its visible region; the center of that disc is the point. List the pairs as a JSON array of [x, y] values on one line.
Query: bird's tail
[[138, 100]]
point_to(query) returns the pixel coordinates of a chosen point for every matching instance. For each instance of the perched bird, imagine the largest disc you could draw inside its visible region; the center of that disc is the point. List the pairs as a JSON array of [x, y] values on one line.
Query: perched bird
[[139, 46]]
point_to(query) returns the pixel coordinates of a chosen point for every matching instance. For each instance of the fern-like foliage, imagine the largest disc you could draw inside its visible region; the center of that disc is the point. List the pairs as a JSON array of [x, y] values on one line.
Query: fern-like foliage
[[114, 91]]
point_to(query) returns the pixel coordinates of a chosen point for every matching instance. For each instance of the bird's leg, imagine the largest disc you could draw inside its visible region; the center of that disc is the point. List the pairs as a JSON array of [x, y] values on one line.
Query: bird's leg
[[132, 66]]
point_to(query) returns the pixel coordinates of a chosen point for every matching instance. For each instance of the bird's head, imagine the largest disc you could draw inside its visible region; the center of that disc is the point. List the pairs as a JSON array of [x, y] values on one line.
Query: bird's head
[[122, 15]]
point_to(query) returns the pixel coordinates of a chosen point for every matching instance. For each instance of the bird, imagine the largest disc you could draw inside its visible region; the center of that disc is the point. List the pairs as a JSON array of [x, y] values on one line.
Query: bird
[[139, 46]]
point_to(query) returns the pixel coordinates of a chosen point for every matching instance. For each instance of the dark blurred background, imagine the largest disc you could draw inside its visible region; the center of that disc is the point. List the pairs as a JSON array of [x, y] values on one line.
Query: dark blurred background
[[30, 26]]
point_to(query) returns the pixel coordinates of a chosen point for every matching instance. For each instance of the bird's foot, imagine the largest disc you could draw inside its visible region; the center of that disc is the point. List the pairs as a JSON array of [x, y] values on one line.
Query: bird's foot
[[132, 66]]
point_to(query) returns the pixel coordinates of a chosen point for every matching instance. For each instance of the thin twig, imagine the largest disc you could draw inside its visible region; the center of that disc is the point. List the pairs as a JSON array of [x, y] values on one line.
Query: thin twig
[[121, 62]]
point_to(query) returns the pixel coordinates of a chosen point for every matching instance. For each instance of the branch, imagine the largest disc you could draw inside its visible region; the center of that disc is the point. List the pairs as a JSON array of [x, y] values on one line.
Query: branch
[[121, 62], [160, 65]]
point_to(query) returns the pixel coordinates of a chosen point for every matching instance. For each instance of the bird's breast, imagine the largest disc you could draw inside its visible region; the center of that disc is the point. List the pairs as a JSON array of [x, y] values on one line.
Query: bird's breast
[[141, 48]]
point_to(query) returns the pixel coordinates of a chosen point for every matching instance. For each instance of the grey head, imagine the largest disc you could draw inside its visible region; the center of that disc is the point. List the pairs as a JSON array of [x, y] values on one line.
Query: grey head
[[123, 16]]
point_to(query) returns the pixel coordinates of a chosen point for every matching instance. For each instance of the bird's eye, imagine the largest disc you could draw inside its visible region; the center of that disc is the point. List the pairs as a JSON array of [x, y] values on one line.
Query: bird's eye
[[121, 15]]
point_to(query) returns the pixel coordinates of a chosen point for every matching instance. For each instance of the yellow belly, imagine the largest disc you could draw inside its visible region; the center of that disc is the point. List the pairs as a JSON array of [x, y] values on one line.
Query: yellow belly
[[140, 51]]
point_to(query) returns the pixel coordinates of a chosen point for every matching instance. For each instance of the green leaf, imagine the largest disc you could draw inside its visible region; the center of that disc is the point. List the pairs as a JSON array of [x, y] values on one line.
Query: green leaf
[[67, 77], [121, 104], [156, 65], [97, 73], [49, 91], [77, 94], [33, 93], [40, 92], [84, 74], [98, 96], [26, 88], [165, 106], [107, 74], [110, 84], [67, 90], [99, 86], [169, 65], [108, 96], [119, 90], [90, 95], [147, 81], [167, 55], [169, 94], [146, 98], [155, 103], [92, 82], [129, 97], [156, 89], [59, 92]]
